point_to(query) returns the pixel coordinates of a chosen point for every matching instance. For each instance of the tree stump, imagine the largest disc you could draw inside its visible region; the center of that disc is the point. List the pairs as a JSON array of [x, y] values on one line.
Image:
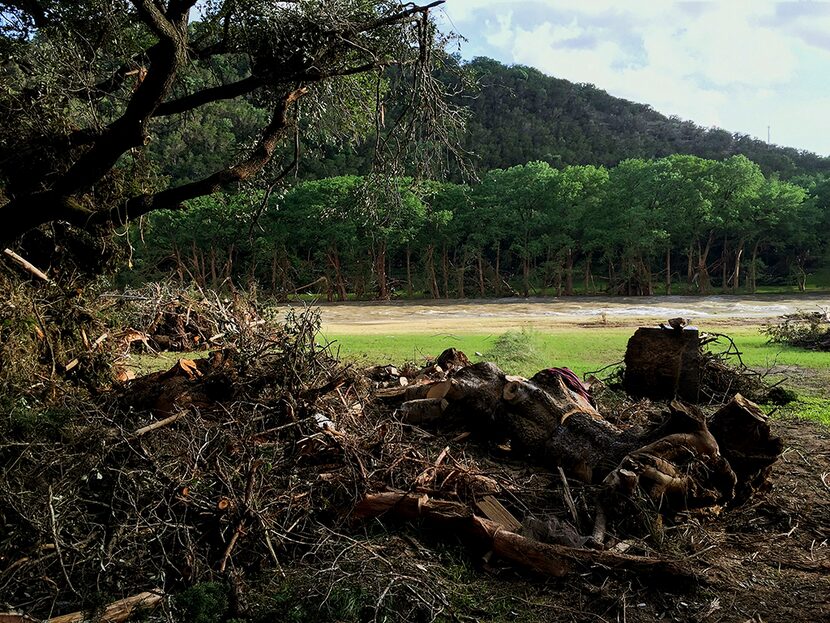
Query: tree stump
[[663, 364]]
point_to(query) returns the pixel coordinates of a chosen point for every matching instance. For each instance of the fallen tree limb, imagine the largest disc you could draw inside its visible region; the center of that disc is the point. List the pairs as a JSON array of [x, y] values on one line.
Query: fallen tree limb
[[26, 265], [117, 611], [545, 558]]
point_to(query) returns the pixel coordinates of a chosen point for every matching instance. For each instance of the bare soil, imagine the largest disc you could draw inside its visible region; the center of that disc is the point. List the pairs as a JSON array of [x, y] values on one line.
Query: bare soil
[[549, 313]]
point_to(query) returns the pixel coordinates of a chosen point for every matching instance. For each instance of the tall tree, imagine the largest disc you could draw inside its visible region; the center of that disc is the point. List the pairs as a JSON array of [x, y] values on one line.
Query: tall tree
[[87, 80]]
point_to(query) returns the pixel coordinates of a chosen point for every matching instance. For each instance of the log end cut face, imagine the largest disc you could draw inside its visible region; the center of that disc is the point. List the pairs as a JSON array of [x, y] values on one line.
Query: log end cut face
[[663, 364]]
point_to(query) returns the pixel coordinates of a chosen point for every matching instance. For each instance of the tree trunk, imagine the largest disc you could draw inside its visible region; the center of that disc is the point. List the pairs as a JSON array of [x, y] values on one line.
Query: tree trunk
[[736, 273], [752, 268], [724, 268], [690, 271], [408, 271], [432, 277], [445, 268], [668, 270], [498, 269], [179, 267], [588, 274], [334, 261], [461, 269], [569, 273], [703, 263], [380, 270], [481, 288]]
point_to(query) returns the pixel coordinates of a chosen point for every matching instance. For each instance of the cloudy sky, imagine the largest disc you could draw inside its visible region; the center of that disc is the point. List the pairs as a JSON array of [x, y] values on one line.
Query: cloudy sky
[[741, 65]]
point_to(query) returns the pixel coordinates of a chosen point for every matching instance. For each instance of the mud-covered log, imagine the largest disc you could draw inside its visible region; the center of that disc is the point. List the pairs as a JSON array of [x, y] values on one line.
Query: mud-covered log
[[743, 434], [663, 364], [452, 360], [530, 554], [422, 411], [474, 397], [683, 468], [558, 427]]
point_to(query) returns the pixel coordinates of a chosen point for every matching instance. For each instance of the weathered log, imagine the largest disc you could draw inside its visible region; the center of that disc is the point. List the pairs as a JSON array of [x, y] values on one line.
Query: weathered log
[[544, 558], [682, 469], [436, 389], [452, 360], [422, 411], [743, 434], [117, 611], [663, 364]]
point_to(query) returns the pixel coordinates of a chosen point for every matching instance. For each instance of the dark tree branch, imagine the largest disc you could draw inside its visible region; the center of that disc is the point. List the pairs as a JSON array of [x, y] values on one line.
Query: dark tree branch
[[397, 17], [205, 96], [173, 198]]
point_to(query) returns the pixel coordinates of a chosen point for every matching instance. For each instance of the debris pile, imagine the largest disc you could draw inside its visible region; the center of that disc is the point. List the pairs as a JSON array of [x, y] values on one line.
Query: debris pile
[[277, 466], [163, 317], [809, 330]]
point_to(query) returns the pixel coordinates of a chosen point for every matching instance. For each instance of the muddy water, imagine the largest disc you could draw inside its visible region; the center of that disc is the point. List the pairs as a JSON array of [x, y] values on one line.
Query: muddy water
[[552, 313]]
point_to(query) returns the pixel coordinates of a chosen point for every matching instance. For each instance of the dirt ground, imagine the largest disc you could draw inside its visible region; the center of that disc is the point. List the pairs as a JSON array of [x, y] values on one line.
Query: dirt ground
[[549, 313]]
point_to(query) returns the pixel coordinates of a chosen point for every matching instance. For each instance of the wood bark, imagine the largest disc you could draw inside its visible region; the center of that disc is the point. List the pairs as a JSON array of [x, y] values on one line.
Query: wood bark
[[527, 553]]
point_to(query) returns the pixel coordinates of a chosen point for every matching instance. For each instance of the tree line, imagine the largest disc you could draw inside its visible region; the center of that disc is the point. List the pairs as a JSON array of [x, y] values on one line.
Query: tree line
[[680, 224]]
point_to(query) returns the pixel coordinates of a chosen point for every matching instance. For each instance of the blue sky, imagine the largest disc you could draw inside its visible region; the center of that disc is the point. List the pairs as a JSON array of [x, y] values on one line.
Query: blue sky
[[741, 65]]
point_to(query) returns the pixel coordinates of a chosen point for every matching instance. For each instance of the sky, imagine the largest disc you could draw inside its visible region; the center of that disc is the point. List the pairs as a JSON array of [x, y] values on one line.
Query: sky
[[741, 65]]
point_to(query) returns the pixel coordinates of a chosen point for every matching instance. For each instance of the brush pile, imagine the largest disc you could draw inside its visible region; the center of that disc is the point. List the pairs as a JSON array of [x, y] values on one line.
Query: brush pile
[[810, 330], [288, 481], [163, 317]]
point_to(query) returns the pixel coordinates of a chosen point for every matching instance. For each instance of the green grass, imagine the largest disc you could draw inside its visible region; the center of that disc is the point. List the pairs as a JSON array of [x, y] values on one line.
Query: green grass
[[581, 349], [585, 350]]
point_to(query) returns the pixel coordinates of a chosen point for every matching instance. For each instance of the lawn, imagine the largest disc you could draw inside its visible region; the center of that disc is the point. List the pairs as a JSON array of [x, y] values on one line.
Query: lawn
[[581, 349], [589, 349]]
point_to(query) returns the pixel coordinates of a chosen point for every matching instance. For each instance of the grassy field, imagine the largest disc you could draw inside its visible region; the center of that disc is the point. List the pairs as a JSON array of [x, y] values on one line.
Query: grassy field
[[581, 349], [588, 349]]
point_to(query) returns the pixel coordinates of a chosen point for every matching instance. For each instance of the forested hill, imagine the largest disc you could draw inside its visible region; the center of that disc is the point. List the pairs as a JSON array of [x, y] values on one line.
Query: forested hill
[[521, 115], [518, 115]]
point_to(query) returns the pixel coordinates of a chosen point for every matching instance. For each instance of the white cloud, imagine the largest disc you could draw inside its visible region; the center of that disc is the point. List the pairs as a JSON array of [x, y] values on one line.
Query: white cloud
[[726, 62]]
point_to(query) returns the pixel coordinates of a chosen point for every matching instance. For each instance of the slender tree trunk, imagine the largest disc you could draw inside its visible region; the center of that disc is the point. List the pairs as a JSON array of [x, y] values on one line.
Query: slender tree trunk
[[724, 269], [498, 269], [569, 273], [526, 276], [690, 271], [229, 267], [380, 271], [668, 270], [703, 263], [753, 284], [334, 261], [408, 271], [588, 274], [178, 257], [433, 279], [445, 268], [481, 288], [559, 280], [198, 273], [736, 274]]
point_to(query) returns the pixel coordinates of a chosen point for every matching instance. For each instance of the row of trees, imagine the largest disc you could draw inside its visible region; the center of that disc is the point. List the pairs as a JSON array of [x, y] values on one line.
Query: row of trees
[[675, 224]]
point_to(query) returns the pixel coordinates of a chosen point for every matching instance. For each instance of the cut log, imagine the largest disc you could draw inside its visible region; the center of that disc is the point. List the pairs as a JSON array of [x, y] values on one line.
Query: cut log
[[117, 611], [452, 360], [422, 411], [437, 389], [544, 558], [743, 434], [493, 510], [663, 364]]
